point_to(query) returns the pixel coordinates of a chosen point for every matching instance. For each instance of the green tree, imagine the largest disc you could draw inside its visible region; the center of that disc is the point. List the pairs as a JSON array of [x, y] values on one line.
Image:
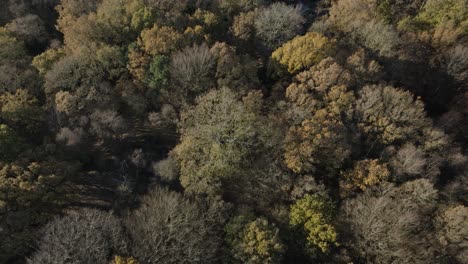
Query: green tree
[[157, 76]]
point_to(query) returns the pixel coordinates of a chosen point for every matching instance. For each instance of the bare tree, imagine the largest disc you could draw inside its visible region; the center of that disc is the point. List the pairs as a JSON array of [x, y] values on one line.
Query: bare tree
[[170, 229], [87, 236], [278, 23], [389, 224], [409, 160], [192, 69]]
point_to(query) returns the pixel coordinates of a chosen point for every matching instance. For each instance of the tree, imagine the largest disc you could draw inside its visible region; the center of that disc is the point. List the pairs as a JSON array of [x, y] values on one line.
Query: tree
[[31, 191], [365, 174], [21, 110], [364, 69], [389, 115], [303, 52], [86, 236], [112, 60], [278, 23], [232, 7], [243, 27], [10, 47], [408, 161], [73, 71], [254, 241], [157, 76], [359, 19], [159, 40], [10, 144], [15, 70], [137, 62], [44, 61], [219, 139], [70, 10], [80, 31], [389, 224], [206, 24], [378, 37], [113, 20], [233, 71], [167, 228], [166, 169], [30, 29], [107, 124], [451, 225], [192, 71], [396, 10], [123, 260], [319, 141], [312, 216], [457, 63], [437, 12], [349, 15], [309, 91], [167, 12]]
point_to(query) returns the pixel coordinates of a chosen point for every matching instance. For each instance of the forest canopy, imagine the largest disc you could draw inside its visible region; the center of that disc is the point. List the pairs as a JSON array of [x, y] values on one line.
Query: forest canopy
[[233, 131]]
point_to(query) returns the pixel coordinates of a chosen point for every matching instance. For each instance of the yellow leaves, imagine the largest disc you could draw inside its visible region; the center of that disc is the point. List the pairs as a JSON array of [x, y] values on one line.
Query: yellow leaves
[[159, 40], [243, 26], [303, 52], [124, 260], [313, 215], [44, 61], [389, 114], [319, 140], [137, 63], [253, 242], [366, 173]]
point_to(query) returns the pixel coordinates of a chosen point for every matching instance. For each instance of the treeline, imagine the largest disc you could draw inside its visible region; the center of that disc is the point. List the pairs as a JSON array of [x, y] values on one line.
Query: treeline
[[233, 131]]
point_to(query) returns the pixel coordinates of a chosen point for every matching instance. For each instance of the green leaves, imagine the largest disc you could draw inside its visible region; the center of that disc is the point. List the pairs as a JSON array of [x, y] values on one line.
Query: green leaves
[[157, 76]]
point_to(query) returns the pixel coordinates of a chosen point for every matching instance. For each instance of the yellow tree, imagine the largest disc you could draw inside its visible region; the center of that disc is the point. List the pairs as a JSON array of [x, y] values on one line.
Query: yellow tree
[[159, 40], [365, 173], [313, 216], [303, 52]]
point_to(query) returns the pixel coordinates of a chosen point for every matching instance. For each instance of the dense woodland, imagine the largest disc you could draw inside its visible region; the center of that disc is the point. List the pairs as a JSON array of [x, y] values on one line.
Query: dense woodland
[[233, 131]]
